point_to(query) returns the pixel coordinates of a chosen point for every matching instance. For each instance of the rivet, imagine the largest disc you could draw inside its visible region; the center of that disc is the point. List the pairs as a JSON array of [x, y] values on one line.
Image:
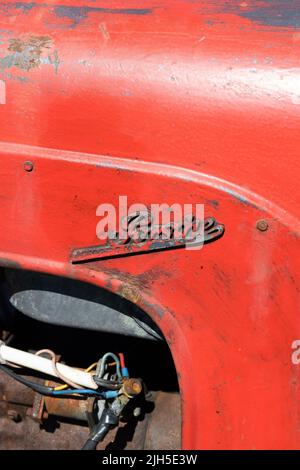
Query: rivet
[[262, 225]]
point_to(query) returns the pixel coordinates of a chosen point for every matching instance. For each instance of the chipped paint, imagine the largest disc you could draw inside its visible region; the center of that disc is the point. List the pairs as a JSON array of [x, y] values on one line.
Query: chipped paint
[[73, 13], [77, 14], [130, 293], [278, 13], [275, 13], [25, 7], [27, 54]]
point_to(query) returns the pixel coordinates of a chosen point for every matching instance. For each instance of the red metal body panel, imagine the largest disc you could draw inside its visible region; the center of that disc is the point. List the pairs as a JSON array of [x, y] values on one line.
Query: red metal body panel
[[169, 101]]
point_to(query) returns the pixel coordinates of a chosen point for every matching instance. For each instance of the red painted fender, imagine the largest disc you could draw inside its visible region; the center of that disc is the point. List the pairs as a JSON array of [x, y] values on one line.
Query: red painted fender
[[174, 101]]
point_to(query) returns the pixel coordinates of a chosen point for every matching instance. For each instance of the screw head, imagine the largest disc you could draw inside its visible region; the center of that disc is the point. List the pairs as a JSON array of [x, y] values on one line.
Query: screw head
[[262, 225], [28, 166]]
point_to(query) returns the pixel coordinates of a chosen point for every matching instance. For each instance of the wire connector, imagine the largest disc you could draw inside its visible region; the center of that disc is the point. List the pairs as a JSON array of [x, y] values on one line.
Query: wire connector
[[110, 394]]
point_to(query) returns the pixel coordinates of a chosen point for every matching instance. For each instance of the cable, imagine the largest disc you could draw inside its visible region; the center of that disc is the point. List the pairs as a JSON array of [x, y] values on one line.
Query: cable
[[33, 385], [91, 367], [108, 421], [82, 391], [48, 391], [63, 387], [109, 384], [125, 372], [56, 371], [122, 360], [102, 362]]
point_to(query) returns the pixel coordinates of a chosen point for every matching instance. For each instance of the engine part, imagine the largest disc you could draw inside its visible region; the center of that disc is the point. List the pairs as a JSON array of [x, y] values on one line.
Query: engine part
[[116, 394], [156, 428]]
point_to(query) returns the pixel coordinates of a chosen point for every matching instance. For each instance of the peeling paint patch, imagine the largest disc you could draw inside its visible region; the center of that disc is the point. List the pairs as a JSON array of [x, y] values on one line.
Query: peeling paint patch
[[27, 54], [73, 13], [77, 14], [130, 293], [276, 13], [25, 7]]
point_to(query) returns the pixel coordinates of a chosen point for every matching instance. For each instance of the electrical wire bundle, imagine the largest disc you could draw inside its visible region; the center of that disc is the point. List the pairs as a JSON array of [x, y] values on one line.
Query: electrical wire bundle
[[109, 385]]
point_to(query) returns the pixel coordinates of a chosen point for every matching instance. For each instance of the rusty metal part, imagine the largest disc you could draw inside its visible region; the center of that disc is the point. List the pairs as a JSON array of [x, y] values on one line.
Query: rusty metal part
[[163, 430], [14, 392], [14, 398], [68, 408], [71, 408], [132, 387], [14, 415], [156, 428], [37, 412]]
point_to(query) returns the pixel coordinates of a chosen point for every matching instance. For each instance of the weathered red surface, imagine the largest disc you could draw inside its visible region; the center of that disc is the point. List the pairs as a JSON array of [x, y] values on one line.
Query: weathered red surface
[[173, 101]]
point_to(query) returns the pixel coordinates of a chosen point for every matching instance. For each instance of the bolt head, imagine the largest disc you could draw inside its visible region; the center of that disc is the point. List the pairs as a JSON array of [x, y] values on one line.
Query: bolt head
[[28, 166]]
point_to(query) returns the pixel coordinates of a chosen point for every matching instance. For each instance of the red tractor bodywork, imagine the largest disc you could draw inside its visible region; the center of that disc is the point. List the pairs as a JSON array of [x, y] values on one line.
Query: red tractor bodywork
[[168, 101]]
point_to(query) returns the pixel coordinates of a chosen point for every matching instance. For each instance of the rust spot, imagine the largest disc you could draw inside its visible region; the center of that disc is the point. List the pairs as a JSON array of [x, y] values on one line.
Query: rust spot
[[132, 286], [130, 292], [29, 53]]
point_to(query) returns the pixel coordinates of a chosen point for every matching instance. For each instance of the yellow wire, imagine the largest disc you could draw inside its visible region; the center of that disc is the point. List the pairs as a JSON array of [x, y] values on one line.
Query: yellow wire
[[89, 369]]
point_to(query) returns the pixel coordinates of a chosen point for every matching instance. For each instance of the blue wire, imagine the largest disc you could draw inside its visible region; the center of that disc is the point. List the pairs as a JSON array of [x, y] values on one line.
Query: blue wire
[[84, 391]]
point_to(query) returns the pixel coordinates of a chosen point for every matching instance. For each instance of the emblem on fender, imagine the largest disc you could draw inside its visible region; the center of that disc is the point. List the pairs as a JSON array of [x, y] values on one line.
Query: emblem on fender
[[143, 239]]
